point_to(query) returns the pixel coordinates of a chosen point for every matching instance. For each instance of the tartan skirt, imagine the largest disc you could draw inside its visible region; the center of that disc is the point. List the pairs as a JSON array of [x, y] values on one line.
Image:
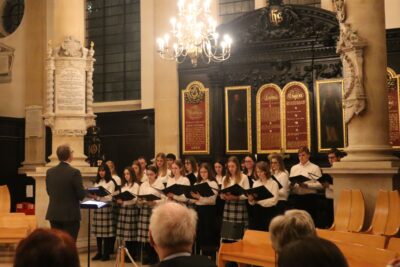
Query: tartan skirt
[[103, 222], [143, 224], [127, 222], [236, 211]]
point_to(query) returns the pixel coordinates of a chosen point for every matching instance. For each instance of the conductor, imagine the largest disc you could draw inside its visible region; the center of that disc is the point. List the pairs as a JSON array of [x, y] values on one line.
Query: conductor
[[65, 189]]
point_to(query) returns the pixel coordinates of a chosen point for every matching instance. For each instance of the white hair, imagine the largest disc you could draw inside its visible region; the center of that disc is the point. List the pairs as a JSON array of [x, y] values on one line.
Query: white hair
[[292, 226], [173, 225]]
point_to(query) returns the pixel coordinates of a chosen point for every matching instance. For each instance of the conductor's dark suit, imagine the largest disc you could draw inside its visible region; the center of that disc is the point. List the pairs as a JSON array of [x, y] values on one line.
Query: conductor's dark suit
[[65, 189]]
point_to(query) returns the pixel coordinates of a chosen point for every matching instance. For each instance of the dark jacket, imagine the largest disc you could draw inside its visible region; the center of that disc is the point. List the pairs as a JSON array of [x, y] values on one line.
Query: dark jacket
[[187, 261], [65, 189]]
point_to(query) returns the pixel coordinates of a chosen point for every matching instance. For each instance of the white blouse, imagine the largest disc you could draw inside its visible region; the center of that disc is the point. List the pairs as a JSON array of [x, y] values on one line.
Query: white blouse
[[244, 182], [134, 189], [219, 179], [311, 171], [147, 189], [283, 179], [117, 179], [273, 187], [180, 180], [208, 200], [110, 187]]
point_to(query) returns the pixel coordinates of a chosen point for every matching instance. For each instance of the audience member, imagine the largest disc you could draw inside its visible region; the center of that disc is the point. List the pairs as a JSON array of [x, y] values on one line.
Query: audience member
[[172, 232], [292, 226], [47, 248], [311, 252]]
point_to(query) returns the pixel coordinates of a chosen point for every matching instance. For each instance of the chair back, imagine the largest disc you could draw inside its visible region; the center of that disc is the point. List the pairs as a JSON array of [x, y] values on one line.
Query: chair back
[[357, 213], [5, 199], [381, 213], [343, 211], [393, 220]]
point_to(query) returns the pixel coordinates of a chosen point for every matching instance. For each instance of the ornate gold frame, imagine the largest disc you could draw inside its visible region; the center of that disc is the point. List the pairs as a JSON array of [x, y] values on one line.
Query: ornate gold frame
[[393, 75], [249, 134], [258, 114], [317, 95], [207, 103], [283, 102]]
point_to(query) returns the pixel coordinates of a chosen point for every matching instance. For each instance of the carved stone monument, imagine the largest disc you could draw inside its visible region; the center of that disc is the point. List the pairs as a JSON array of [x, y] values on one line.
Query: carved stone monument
[[69, 107]]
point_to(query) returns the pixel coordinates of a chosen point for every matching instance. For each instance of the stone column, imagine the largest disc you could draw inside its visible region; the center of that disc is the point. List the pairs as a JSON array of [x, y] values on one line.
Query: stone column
[[369, 165], [259, 4]]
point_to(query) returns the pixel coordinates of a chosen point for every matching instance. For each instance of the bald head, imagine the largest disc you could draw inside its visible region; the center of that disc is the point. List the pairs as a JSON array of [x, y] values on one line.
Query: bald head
[[173, 225]]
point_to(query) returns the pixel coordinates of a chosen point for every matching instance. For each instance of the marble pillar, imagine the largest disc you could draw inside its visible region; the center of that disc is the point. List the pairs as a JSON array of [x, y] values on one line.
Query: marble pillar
[[369, 165]]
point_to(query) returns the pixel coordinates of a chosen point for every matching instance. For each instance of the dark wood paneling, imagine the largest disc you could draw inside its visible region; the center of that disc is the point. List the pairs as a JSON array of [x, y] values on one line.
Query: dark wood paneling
[[126, 135]]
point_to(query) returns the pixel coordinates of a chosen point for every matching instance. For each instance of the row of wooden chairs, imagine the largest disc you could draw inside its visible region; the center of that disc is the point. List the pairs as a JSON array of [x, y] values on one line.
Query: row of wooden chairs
[[14, 226], [350, 213]]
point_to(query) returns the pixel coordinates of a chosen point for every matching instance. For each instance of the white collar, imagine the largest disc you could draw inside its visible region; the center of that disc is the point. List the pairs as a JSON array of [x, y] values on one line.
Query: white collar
[[176, 255]]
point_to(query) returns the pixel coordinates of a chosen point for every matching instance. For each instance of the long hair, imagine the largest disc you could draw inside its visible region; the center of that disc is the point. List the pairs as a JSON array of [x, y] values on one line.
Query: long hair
[[264, 167], [162, 171], [211, 176], [251, 156], [193, 163], [154, 169], [237, 176], [180, 166], [134, 178], [140, 176], [279, 159], [222, 163], [107, 177]]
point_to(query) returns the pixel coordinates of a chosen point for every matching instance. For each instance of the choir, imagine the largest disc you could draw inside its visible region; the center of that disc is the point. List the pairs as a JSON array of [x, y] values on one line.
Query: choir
[[240, 197]]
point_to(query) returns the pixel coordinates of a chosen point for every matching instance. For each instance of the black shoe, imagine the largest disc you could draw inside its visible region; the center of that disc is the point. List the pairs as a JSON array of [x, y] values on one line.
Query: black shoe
[[97, 257], [105, 258]]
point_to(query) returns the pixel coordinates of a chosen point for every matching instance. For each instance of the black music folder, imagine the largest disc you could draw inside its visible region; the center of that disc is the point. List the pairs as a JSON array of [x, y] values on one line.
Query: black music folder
[[98, 191], [93, 204], [325, 178], [235, 190], [276, 180], [176, 189], [298, 179], [259, 193], [203, 189], [125, 196], [149, 197]]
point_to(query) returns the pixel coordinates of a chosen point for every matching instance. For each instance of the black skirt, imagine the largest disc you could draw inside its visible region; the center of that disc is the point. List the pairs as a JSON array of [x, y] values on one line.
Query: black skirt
[[262, 217], [207, 231]]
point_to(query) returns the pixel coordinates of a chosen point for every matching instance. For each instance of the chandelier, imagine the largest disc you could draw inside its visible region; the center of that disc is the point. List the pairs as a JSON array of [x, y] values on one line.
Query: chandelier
[[193, 35]]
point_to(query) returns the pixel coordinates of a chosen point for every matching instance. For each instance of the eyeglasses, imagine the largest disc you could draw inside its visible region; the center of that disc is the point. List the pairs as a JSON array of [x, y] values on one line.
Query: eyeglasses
[[274, 162]]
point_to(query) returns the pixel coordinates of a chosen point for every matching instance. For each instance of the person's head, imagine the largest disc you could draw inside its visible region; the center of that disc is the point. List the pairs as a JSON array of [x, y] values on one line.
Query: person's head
[[170, 159], [129, 176], [291, 226], [311, 251], [190, 165], [262, 171], [111, 166], [205, 173], [103, 172], [219, 167], [137, 168], [151, 172], [249, 161], [233, 171], [172, 229], [64, 153], [143, 162], [304, 155], [242, 165], [334, 155], [177, 169], [276, 162], [161, 161], [47, 247]]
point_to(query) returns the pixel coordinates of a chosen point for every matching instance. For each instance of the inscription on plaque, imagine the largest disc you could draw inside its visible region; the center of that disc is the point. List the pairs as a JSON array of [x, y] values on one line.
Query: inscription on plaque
[[296, 116], [393, 106], [70, 91], [195, 119], [269, 119]]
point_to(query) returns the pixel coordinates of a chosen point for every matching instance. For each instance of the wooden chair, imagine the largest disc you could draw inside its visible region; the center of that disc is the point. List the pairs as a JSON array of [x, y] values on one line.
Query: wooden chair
[[343, 211], [357, 212], [365, 256], [5, 199], [374, 241], [394, 244], [254, 249], [393, 220], [381, 214]]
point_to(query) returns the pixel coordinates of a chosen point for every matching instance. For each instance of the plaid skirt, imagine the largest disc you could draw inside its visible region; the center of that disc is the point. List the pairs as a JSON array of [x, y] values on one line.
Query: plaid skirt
[[103, 222], [143, 224], [127, 222], [236, 211]]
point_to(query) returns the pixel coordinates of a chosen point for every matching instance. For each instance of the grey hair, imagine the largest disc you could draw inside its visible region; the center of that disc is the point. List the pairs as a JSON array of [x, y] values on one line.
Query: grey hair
[[173, 225], [293, 225], [63, 152]]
